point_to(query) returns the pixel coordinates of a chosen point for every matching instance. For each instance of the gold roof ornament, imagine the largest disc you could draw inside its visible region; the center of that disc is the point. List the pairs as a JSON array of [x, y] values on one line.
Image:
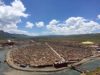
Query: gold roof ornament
[[88, 42]]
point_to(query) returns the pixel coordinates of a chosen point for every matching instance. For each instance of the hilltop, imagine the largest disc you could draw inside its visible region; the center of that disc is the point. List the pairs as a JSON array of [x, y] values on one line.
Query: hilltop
[[6, 35]]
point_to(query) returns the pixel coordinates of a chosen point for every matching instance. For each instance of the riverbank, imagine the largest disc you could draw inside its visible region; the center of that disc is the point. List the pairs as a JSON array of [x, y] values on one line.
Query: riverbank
[[62, 72], [86, 59], [47, 69], [44, 69], [94, 72]]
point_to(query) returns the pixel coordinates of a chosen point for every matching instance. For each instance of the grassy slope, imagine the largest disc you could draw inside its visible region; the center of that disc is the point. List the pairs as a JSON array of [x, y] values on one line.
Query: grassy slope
[[85, 37], [95, 72], [5, 35], [89, 37]]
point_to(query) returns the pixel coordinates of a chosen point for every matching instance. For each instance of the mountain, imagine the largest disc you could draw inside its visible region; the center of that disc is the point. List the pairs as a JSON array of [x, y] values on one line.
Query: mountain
[[5, 35], [82, 37]]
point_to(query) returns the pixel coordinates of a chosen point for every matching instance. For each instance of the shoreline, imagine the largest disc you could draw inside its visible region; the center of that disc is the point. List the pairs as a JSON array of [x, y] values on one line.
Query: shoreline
[[85, 60], [47, 69]]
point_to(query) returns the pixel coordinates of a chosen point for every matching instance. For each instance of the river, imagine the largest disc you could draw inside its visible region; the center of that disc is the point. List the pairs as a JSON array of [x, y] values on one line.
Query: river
[[6, 70]]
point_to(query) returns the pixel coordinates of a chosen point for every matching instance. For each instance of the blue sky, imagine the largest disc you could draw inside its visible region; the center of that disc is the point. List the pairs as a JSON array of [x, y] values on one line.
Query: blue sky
[[52, 17], [46, 10]]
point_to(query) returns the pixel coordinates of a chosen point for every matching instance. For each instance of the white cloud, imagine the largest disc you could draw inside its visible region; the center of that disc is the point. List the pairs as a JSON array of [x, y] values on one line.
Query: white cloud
[[22, 32], [73, 25], [39, 24], [98, 16], [29, 25], [53, 22], [10, 16]]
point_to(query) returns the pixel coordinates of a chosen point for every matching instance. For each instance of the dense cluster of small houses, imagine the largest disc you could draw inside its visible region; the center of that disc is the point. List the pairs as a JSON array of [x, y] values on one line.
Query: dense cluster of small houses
[[40, 55], [71, 51]]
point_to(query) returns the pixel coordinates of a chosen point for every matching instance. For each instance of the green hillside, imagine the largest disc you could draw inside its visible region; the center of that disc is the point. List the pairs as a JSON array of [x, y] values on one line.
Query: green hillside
[[5, 35], [82, 37]]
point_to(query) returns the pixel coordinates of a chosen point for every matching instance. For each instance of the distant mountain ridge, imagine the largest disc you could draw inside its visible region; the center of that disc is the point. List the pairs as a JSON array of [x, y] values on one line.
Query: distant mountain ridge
[[79, 37], [6, 35]]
